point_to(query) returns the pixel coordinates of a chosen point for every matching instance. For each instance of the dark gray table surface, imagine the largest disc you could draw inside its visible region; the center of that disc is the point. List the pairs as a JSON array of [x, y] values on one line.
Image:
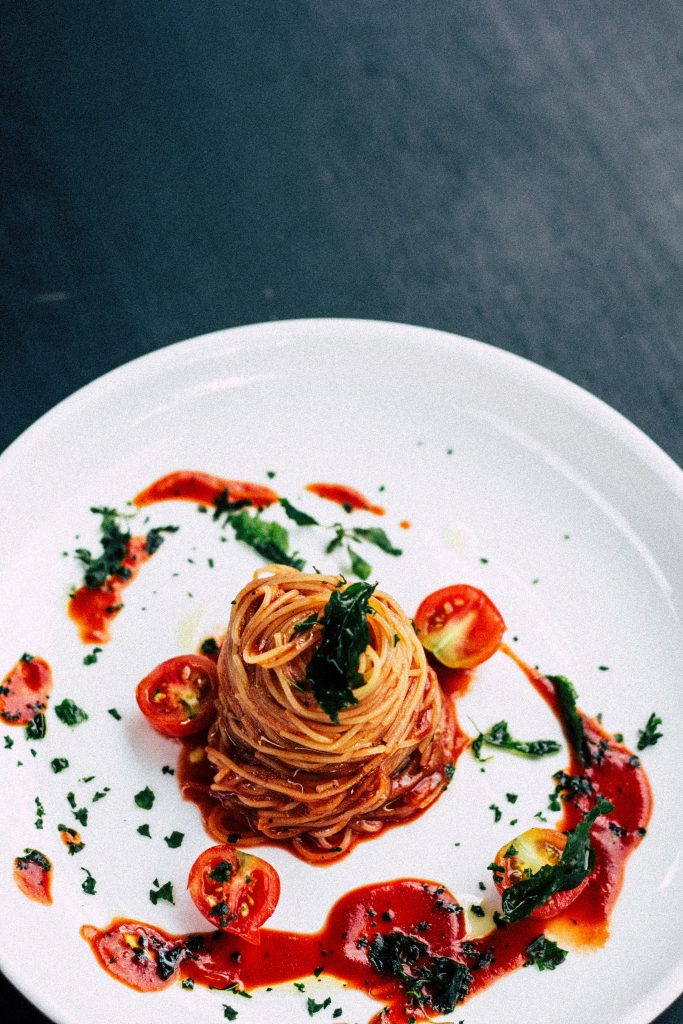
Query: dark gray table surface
[[505, 170]]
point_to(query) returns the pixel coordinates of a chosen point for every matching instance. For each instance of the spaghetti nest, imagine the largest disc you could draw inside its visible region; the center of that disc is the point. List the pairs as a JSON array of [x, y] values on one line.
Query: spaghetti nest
[[281, 763]]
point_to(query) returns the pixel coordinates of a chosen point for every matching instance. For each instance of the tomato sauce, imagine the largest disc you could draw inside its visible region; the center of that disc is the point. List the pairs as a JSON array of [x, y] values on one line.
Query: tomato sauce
[[341, 949], [203, 488], [147, 958], [348, 497], [33, 876], [25, 691], [93, 608]]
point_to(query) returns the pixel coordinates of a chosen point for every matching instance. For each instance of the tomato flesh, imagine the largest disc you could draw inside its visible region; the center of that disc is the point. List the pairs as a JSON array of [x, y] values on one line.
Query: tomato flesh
[[534, 849], [237, 892], [177, 697], [460, 626]]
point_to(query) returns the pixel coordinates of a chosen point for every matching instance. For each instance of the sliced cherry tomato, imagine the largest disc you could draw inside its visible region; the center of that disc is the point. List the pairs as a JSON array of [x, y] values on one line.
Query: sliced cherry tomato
[[235, 891], [460, 625], [525, 856], [177, 697]]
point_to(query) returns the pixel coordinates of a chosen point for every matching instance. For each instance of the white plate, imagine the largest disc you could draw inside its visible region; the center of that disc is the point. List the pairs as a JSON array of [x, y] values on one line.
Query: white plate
[[533, 459]]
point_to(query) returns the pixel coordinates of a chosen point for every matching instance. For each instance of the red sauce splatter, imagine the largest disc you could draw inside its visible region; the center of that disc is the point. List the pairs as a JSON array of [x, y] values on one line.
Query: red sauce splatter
[[414, 907], [33, 875], [346, 496], [25, 691], [147, 958], [405, 524], [93, 608], [203, 488]]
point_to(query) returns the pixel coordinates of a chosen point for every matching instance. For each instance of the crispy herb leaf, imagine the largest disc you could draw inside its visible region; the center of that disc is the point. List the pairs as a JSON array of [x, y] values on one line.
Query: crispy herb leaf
[[571, 719], [88, 884], [359, 567], [144, 799], [70, 713], [498, 736], [296, 515], [333, 670], [114, 542], [375, 535], [33, 857], [575, 864], [155, 539], [545, 954], [224, 507], [174, 840], [439, 981], [649, 735], [37, 727], [270, 539], [164, 892]]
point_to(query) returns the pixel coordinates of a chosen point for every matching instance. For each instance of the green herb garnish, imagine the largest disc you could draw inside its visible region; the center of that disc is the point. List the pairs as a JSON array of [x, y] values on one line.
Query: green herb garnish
[[298, 517], [70, 713], [144, 831], [91, 659], [649, 736], [155, 537], [89, 883], [114, 541], [115, 714], [209, 646], [37, 727], [571, 718], [58, 764], [499, 736], [333, 670], [575, 864], [375, 535], [436, 981], [174, 840], [222, 872], [229, 1013], [269, 539], [545, 954], [33, 857], [163, 892], [314, 1007], [72, 847], [359, 567], [145, 798]]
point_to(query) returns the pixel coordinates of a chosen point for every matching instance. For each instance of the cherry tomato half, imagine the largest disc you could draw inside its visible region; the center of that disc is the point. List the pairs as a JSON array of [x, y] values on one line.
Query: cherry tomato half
[[526, 855], [177, 697], [460, 625], [235, 891]]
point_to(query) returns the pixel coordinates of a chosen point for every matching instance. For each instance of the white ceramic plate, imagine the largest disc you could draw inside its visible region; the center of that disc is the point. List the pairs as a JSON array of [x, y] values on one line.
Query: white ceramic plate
[[578, 515]]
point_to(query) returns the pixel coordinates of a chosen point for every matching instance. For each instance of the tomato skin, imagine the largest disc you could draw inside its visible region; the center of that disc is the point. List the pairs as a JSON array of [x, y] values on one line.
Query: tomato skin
[[460, 625], [242, 893], [535, 848], [177, 697]]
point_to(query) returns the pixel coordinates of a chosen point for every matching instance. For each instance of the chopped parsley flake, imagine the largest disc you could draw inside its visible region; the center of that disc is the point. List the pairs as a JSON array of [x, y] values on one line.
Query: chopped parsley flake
[[649, 735], [58, 764], [144, 799], [161, 892], [115, 714], [88, 884], [70, 713], [144, 831], [545, 954], [174, 840], [91, 659]]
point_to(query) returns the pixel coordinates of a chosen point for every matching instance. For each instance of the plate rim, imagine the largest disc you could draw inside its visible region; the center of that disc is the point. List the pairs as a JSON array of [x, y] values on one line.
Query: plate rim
[[620, 428]]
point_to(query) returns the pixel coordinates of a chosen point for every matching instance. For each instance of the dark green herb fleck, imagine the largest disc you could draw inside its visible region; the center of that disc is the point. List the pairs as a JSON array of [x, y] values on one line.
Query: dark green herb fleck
[[163, 892], [545, 954], [333, 670], [69, 713], [145, 798], [649, 735], [174, 840]]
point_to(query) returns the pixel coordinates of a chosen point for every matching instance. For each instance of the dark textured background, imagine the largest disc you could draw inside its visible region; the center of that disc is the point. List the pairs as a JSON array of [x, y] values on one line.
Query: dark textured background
[[507, 170]]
